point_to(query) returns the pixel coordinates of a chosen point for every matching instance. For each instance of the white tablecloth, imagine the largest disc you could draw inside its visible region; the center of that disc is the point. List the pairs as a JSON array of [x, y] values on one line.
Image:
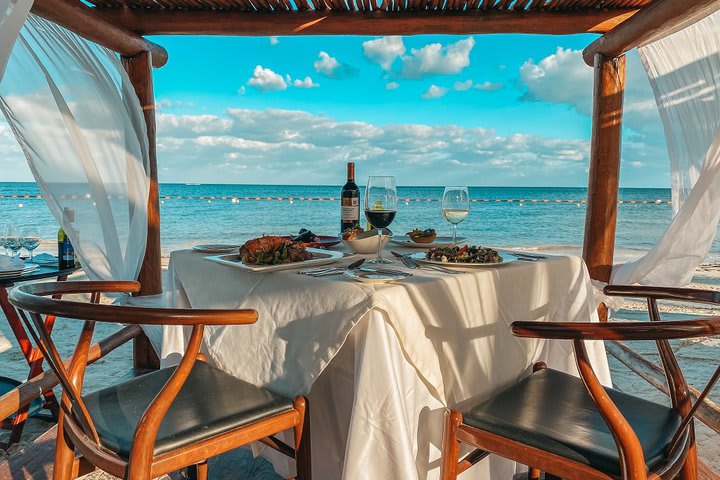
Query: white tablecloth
[[381, 363]]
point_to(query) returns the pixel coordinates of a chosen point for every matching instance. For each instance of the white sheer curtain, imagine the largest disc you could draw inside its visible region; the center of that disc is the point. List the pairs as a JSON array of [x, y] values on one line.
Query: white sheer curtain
[[77, 118], [684, 72], [12, 17]]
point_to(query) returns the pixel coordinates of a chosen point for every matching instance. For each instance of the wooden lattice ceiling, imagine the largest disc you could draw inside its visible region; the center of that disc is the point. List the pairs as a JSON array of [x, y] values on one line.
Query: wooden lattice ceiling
[[466, 6]]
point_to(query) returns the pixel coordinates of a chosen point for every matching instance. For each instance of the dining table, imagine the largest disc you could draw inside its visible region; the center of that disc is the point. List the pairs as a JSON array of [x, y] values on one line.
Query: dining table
[[32, 354], [381, 363]]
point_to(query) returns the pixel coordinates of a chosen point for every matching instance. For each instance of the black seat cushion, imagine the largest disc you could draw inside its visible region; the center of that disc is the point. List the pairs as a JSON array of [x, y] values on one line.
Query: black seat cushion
[[553, 411], [210, 402]]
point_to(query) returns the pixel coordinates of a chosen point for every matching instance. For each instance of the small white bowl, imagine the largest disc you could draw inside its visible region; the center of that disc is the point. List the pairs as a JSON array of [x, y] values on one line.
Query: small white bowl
[[366, 245]]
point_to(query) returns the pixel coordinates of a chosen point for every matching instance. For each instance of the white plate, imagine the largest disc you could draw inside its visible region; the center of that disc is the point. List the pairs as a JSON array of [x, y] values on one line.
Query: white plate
[[320, 257], [420, 257], [439, 242], [216, 248], [368, 276], [13, 273]]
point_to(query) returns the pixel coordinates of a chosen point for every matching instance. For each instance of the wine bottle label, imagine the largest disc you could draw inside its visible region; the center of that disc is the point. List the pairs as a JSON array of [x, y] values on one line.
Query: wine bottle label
[[350, 214]]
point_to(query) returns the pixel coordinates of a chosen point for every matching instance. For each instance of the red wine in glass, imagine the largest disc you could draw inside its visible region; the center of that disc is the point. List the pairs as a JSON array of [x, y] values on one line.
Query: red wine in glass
[[380, 218]]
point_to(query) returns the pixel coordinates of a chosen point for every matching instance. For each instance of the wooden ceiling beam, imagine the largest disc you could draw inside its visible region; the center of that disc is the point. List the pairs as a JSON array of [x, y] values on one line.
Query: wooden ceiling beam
[[188, 22], [85, 21], [659, 19]]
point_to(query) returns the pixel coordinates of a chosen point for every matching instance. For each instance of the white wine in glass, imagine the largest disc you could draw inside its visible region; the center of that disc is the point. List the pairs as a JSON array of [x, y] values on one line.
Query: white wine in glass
[[455, 206]]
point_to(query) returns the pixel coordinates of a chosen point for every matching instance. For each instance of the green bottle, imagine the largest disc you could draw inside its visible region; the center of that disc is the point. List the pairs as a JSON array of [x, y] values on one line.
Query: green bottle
[[66, 252]]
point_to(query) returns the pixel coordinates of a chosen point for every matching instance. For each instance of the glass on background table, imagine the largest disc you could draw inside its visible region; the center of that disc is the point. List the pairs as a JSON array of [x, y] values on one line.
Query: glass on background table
[[14, 239]]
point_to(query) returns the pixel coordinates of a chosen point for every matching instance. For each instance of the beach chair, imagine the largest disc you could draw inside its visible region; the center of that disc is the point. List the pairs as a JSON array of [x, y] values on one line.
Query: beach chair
[[574, 428], [165, 420]]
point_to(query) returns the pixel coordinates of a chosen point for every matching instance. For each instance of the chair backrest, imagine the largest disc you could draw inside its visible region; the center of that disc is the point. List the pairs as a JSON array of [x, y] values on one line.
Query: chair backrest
[[34, 301], [678, 388]]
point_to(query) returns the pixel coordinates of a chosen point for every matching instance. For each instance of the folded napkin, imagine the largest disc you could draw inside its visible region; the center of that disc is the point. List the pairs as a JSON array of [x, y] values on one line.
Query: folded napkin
[[8, 263], [45, 259]]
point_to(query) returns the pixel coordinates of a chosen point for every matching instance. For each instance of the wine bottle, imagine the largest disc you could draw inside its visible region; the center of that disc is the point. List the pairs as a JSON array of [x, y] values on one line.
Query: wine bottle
[[66, 252], [350, 201]]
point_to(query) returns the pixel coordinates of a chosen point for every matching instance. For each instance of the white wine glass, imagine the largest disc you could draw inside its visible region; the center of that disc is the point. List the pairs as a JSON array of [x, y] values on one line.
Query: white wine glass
[[455, 207], [30, 240], [380, 208]]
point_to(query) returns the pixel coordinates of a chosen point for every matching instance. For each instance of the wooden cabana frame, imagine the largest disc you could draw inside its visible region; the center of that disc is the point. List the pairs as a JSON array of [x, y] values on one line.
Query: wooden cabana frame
[[624, 24], [120, 25]]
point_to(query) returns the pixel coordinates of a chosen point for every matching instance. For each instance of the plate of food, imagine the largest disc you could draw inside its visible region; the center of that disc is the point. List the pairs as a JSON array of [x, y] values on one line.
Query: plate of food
[[310, 240], [427, 238], [469, 256], [271, 253]]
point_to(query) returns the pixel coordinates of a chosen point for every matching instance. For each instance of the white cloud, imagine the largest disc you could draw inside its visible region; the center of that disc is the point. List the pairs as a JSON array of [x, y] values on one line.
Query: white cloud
[[301, 147], [330, 66], [488, 86], [274, 40], [468, 84], [266, 80], [463, 86], [239, 146], [563, 78], [384, 50], [241, 90], [305, 83], [164, 104], [434, 59], [392, 86], [434, 92]]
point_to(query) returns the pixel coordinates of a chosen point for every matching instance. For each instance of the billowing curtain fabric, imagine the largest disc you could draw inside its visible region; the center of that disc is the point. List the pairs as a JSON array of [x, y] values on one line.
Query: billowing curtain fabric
[[77, 118], [684, 72], [12, 17]]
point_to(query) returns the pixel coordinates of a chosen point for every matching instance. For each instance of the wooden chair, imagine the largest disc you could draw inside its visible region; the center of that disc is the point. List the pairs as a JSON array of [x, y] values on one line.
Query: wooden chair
[[574, 428], [165, 420]]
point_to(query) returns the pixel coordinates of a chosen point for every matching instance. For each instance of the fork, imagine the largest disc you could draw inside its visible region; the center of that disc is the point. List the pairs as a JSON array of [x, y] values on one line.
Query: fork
[[321, 272]]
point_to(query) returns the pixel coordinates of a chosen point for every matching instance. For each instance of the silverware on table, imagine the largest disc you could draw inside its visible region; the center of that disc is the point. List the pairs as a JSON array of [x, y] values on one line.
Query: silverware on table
[[322, 272], [411, 263], [520, 255]]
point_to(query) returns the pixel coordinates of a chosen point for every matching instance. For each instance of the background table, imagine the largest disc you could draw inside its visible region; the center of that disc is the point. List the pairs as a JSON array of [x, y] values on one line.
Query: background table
[[381, 363], [31, 353]]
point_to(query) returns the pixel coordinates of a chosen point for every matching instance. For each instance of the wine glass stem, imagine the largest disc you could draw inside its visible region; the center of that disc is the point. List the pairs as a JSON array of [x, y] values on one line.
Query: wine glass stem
[[454, 233], [379, 257]]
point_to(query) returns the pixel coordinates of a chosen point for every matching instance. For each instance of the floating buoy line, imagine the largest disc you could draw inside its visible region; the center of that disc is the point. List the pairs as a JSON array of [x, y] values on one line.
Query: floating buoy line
[[406, 201]]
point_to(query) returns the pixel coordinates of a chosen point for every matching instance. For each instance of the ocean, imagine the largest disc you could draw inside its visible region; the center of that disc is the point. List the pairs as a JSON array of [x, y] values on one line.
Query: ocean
[[541, 217], [199, 214]]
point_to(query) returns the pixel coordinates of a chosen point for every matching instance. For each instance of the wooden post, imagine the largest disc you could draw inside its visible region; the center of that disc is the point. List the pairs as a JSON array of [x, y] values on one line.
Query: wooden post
[[139, 69], [603, 181]]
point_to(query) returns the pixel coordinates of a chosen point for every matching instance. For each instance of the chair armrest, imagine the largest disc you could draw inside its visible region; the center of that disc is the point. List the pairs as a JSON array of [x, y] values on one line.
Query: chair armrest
[[701, 327], [663, 293], [63, 288], [31, 299]]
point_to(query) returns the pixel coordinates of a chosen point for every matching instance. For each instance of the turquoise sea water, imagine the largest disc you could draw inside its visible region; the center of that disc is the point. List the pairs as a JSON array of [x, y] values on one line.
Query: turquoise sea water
[[191, 220]]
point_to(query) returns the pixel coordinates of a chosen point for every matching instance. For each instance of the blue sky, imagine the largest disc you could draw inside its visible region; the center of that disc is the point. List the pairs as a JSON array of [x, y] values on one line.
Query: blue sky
[[479, 110]]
